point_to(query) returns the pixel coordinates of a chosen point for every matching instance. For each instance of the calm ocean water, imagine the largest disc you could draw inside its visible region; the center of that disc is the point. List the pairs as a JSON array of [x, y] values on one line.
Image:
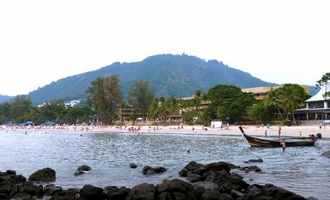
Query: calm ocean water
[[301, 170]]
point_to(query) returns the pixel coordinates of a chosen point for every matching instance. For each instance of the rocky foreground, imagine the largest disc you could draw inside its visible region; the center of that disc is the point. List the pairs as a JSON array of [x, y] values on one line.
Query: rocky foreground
[[214, 181]]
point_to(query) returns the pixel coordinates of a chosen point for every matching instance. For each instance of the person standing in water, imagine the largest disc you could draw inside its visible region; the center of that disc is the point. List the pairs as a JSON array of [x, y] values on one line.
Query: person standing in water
[[283, 144]]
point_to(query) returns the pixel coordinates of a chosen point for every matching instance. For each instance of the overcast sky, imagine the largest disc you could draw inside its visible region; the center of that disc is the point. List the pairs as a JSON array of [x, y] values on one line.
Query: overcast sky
[[278, 41]]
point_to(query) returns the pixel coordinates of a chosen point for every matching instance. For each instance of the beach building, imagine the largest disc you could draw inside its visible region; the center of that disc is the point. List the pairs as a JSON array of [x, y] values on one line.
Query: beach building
[[260, 93], [317, 107]]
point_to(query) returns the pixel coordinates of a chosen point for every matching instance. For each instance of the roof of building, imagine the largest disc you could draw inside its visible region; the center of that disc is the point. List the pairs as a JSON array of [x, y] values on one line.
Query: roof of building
[[320, 95], [259, 90]]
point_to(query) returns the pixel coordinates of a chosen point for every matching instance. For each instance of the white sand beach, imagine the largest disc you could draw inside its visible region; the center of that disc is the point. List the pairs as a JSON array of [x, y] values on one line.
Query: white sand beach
[[232, 130]]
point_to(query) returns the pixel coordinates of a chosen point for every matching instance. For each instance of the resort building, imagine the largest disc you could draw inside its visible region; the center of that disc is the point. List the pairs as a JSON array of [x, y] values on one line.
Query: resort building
[[317, 107], [260, 93]]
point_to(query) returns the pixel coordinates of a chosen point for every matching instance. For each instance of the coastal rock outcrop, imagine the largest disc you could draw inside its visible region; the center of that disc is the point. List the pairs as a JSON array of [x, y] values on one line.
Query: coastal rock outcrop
[[43, 175], [90, 192], [326, 154], [259, 160], [148, 170], [143, 191], [116, 193], [133, 165], [82, 170], [248, 169], [216, 181]]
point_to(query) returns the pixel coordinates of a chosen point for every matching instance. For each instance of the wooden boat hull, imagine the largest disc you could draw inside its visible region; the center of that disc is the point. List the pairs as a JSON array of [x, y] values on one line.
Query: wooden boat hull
[[258, 142], [273, 143]]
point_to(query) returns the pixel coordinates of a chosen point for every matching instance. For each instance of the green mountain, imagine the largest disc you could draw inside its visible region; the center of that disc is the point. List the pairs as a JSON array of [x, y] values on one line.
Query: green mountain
[[4, 98], [170, 75]]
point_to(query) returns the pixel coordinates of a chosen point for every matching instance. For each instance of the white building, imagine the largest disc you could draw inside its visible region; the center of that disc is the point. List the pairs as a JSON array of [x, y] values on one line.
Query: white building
[[317, 107]]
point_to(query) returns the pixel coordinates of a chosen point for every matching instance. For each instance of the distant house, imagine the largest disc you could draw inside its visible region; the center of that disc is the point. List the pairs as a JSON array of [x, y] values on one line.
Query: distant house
[[316, 107], [260, 93]]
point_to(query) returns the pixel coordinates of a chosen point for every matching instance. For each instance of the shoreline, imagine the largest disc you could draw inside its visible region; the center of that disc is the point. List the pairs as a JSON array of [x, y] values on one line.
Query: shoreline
[[291, 131]]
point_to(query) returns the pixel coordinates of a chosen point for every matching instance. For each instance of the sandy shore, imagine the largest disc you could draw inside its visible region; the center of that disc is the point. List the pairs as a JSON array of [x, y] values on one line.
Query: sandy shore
[[200, 130]]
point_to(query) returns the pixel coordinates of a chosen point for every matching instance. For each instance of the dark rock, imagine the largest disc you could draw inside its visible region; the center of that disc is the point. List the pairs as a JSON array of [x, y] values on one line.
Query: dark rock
[[82, 170], [90, 192], [191, 167], [148, 170], [31, 189], [115, 193], [227, 181], [43, 175], [263, 192], [191, 177], [142, 192], [133, 165], [78, 173], [176, 189], [11, 172], [69, 194], [326, 154], [250, 169], [51, 189], [215, 195], [205, 185], [220, 166], [259, 160], [22, 196]]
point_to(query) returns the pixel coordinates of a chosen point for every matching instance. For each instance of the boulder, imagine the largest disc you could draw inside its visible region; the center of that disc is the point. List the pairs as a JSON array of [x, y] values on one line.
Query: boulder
[[268, 191], [248, 169], [227, 181], [215, 195], [259, 160], [142, 192], [69, 194], [206, 185], [43, 175], [133, 165], [31, 189], [326, 154], [90, 192], [49, 190], [148, 170], [82, 170], [191, 167], [176, 189], [115, 193]]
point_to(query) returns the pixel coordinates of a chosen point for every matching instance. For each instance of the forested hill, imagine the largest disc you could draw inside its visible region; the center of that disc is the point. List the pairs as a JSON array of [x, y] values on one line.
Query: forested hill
[[4, 98], [169, 75]]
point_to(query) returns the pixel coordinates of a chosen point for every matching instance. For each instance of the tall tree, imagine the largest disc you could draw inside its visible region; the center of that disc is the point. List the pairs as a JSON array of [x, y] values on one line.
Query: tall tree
[[288, 98], [324, 81], [141, 96], [19, 108], [228, 103], [105, 98]]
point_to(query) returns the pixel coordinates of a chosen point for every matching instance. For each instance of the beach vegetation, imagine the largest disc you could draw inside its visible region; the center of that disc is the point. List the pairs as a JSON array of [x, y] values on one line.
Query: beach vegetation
[[141, 96], [105, 98]]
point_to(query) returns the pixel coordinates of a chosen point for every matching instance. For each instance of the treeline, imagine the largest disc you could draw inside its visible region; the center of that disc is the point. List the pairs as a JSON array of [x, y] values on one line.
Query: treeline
[[105, 104], [20, 110]]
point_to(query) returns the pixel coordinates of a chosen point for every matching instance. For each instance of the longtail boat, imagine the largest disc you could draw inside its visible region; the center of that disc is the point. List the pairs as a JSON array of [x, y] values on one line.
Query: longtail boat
[[278, 142]]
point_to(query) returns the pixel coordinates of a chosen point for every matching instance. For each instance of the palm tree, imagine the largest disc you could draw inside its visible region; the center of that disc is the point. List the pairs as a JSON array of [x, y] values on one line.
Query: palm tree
[[324, 82]]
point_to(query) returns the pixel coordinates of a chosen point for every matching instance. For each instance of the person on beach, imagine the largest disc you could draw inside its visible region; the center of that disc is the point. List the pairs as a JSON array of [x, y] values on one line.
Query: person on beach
[[279, 131]]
